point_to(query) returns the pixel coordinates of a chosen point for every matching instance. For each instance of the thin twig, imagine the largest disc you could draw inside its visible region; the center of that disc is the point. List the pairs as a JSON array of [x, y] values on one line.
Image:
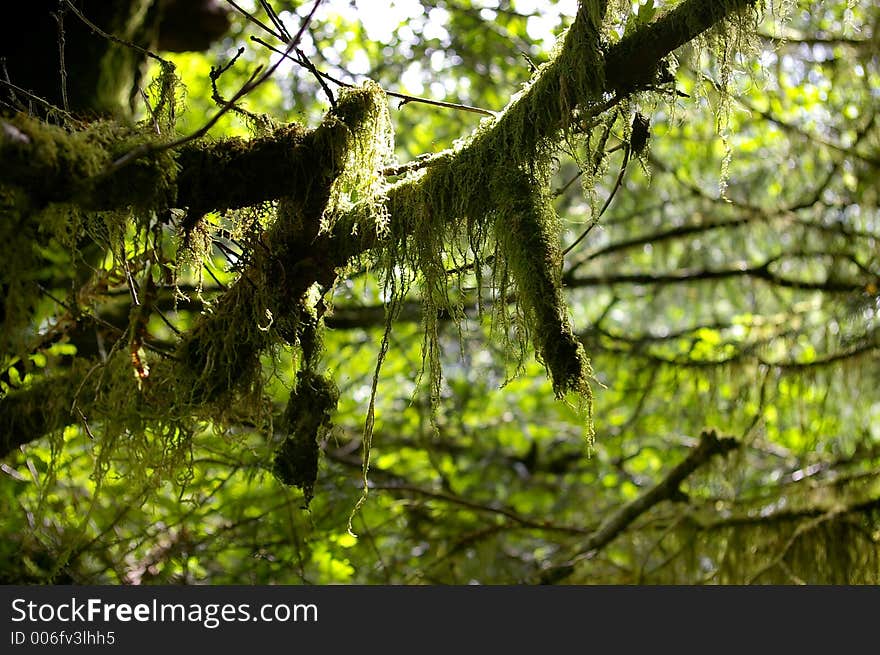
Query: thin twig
[[276, 20], [568, 184], [59, 18], [422, 161], [211, 273], [256, 21], [256, 79], [15, 89], [306, 62], [167, 321], [214, 75], [85, 423], [151, 111], [393, 94], [519, 519]]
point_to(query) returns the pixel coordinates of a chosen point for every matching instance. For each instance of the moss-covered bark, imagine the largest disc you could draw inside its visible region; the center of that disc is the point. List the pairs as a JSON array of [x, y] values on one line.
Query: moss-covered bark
[[53, 164], [221, 351]]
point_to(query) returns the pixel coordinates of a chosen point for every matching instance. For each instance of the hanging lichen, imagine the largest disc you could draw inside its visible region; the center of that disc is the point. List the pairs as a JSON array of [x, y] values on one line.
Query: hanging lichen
[[58, 179], [370, 149], [485, 202], [735, 35], [265, 304], [307, 421], [527, 232]]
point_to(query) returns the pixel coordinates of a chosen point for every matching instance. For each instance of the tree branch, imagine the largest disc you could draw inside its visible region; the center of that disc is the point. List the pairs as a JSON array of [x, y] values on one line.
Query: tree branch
[[53, 165], [628, 64], [67, 175], [709, 446]]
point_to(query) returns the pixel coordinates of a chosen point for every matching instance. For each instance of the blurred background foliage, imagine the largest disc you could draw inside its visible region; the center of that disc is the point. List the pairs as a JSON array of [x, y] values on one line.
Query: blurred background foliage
[[732, 284]]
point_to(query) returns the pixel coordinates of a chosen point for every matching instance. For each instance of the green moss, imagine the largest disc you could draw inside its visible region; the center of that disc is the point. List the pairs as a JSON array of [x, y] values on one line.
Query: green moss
[[527, 232], [485, 201], [369, 148], [53, 162], [59, 164], [265, 306], [307, 422]]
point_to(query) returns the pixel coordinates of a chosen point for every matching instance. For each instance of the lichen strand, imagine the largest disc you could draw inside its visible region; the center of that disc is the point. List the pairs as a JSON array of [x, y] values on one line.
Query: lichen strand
[[220, 354], [737, 33], [369, 148], [306, 422]]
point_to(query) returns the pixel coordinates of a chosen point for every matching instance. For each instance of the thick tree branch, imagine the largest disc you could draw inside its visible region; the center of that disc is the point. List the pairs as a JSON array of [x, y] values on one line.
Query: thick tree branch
[[537, 115], [29, 414], [221, 352], [65, 173], [53, 165], [633, 61], [629, 64]]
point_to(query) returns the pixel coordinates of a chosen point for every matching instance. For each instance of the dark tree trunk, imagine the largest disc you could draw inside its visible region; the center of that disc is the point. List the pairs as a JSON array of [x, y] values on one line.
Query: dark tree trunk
[[99, 76]]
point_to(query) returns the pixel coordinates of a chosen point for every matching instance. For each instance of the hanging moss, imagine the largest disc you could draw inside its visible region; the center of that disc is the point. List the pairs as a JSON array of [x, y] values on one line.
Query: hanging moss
[[527, 231], [485, 201], [307, 422], [221, 353], [370, 148]]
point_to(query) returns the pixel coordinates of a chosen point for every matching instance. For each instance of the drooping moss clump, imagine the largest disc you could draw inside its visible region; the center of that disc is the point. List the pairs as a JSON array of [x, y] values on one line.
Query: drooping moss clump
[[527, 232], [307, 421]]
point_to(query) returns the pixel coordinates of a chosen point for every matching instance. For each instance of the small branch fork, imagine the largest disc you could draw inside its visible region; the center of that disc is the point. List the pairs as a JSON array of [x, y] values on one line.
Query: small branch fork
[[280, 33], [709, 445]]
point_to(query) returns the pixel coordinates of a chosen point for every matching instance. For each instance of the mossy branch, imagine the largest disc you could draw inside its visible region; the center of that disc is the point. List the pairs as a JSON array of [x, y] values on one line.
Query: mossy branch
[[490, 185], [222, 351], [57, 165], [42, 408], [634, 60], [452, 190], [54, 164], [218, 359]]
